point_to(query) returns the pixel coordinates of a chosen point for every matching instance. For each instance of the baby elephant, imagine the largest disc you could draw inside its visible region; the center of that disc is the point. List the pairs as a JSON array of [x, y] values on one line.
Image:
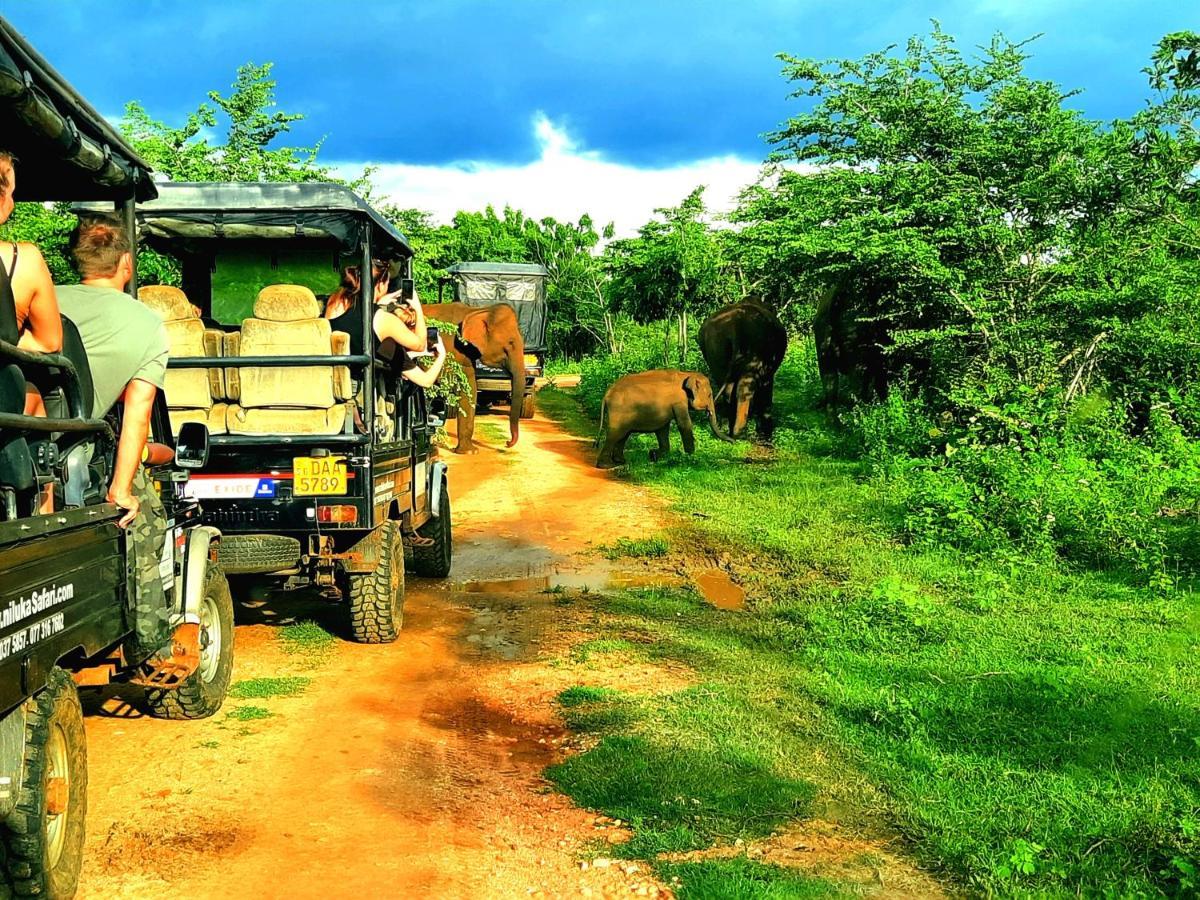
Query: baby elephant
[[649, 402]]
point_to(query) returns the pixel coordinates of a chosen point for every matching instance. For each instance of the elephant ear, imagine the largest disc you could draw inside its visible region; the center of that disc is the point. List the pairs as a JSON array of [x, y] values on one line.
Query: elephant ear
[[689, 388]]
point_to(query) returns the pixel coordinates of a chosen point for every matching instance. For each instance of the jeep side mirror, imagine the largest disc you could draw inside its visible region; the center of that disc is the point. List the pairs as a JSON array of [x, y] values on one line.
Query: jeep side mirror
[[191, 447]]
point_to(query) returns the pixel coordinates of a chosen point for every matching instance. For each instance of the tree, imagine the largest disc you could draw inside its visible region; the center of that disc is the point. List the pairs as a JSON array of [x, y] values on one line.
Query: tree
[[252, 126], [674, 268], [996, 237]]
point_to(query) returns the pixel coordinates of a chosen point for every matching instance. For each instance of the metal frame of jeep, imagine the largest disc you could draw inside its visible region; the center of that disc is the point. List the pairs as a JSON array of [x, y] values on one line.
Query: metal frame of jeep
[[482, 284], [66, 578], [344, 541]]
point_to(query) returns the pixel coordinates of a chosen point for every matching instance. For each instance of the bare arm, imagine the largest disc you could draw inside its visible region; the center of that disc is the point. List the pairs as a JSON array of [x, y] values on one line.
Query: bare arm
[[426, 377], [135, 428], [388, 325], [43, 326], [419, 312]]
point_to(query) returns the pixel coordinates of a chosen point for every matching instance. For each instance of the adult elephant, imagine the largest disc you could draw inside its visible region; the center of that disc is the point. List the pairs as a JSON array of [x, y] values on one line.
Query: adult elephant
[[495, 335], [744, 345]]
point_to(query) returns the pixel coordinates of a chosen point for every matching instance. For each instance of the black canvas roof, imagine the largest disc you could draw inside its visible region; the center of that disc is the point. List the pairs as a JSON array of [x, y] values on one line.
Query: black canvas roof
[[196, 211], [66, 150], [498, 268]]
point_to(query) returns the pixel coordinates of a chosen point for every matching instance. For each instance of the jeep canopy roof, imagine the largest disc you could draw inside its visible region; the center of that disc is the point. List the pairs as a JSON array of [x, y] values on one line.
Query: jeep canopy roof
[[67, 151], [200, 211], [498, 268]]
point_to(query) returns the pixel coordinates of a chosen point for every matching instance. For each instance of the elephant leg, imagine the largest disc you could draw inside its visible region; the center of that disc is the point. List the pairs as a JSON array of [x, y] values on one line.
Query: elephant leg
[[764, 399], [684, 421], [664, 443], [466, 410], [744, 396], [605, 459]]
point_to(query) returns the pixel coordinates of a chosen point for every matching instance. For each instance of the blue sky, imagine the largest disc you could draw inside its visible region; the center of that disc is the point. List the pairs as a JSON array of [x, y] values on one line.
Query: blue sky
[[490, 89]]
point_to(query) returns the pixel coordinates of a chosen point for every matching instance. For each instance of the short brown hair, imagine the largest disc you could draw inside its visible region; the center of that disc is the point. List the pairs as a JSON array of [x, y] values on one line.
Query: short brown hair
[[97, 245], [5, 158]]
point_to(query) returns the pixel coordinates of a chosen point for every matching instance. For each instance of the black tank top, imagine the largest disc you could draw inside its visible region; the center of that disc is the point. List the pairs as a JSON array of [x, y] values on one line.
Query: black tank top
[[350, 323], [8, 303]]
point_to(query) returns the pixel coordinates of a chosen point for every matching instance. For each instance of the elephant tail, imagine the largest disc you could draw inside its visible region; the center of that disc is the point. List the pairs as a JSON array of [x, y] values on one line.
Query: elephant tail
[[600, 433]]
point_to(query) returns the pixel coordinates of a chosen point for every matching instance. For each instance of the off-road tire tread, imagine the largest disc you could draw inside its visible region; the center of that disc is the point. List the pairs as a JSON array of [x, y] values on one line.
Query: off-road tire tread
[[194, 699], [23, 835], [527, 407], [373, 619], [435, 561]]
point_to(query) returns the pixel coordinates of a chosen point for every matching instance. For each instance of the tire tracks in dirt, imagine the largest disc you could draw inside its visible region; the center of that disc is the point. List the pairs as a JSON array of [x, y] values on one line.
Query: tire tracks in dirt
[[412, 769]]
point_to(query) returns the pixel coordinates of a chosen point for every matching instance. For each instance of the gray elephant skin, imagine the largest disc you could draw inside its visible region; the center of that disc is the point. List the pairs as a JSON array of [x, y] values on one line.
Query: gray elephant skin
[[743, 345]]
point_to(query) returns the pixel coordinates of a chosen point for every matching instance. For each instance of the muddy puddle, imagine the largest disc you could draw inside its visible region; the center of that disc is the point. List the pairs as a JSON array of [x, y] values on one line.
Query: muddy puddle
[[593, 579], [714, 585], [718, 589]]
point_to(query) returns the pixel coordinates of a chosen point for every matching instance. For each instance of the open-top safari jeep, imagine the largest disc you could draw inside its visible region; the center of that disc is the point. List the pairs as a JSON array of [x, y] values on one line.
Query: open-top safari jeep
[[523, 287], [69, 608], [323, 469]]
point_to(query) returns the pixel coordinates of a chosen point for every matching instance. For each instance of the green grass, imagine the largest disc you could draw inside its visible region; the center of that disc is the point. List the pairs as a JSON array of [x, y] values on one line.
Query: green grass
[[1026, 729], [581, 694], [490, 432], [637, 548], [264, 688], [742, 879], [306, 638], [249, 713], [585, 651]]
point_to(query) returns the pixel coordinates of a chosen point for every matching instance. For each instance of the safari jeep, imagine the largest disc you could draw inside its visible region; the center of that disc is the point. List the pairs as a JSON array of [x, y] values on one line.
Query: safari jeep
[[523, 287], [323, 470], [67, 597]]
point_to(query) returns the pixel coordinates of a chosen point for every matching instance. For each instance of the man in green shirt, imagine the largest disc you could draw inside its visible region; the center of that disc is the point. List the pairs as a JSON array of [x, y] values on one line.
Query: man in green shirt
[[126, 346]]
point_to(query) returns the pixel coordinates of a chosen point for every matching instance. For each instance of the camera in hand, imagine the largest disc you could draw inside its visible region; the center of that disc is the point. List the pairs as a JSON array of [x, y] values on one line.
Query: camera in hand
[[432, 335]]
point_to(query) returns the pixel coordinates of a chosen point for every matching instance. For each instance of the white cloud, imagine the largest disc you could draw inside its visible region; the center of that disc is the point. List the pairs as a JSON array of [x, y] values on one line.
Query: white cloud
[[565, 181]]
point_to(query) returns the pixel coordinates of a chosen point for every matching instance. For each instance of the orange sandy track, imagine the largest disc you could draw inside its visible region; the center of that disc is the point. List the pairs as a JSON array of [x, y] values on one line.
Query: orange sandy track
[[405, 770]]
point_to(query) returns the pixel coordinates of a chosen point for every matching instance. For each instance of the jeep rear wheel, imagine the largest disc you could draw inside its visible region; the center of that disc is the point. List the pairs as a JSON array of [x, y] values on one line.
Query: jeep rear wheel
[[527, 407], [376, 598], [434, 561], [43, 836], [203, 692]]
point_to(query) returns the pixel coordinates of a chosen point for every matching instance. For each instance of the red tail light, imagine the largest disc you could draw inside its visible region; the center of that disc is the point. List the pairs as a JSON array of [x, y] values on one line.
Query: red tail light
[[342, 515]]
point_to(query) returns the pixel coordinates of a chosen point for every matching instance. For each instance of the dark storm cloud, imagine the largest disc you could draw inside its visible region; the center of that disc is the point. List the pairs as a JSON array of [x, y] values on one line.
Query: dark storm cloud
[[646, 83]]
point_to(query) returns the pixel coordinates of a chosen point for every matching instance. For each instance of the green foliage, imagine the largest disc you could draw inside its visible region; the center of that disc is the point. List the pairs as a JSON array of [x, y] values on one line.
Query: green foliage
[[49, 227], [251, 125], [249, 713], [576, 307], [305, 638]]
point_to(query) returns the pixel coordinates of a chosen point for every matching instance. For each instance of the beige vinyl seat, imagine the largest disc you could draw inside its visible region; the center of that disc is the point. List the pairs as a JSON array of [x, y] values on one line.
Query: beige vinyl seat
[[193, 395], [299, 400]]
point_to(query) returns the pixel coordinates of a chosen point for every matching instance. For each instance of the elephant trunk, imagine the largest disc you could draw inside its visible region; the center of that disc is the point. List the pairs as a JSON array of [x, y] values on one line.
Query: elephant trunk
[[516, 368], [712, 420]]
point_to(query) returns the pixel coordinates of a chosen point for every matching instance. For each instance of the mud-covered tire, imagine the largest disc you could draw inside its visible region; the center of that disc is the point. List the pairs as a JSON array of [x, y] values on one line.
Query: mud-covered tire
[[203, 692], [434, 561], [376, 599], [527, 407], [43, 850]]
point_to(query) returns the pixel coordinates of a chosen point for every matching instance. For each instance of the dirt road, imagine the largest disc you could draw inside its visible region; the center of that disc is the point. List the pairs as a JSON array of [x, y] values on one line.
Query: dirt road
[[404, 770]]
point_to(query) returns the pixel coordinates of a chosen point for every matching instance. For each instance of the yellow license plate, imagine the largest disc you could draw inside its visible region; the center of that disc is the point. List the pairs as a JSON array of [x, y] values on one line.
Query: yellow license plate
[[318, 475], [531, 359]]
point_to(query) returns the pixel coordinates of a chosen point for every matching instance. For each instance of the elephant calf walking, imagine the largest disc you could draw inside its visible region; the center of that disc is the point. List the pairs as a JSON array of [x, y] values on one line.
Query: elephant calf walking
[[647, 403]]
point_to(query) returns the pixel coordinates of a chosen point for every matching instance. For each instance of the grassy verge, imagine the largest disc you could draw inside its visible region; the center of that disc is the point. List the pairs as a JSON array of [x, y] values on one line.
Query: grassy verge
[[1027, 729]]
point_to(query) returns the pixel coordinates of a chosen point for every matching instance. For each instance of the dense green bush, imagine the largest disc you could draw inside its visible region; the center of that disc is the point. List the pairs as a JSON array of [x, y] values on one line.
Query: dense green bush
[[1078, 487]]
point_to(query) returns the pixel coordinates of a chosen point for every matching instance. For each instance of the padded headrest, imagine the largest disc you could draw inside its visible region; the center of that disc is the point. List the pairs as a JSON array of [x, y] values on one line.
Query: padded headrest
[[170, 303], [286, 303]]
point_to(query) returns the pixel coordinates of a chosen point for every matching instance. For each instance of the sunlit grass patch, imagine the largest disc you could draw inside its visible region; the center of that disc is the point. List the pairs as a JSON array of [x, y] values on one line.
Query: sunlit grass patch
[[249, 713], [743, 879], [305, 637], [637, 548], [264, 688]]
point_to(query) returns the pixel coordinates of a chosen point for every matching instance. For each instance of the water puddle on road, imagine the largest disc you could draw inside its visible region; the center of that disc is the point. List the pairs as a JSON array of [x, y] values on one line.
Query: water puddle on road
[[719, 590]]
